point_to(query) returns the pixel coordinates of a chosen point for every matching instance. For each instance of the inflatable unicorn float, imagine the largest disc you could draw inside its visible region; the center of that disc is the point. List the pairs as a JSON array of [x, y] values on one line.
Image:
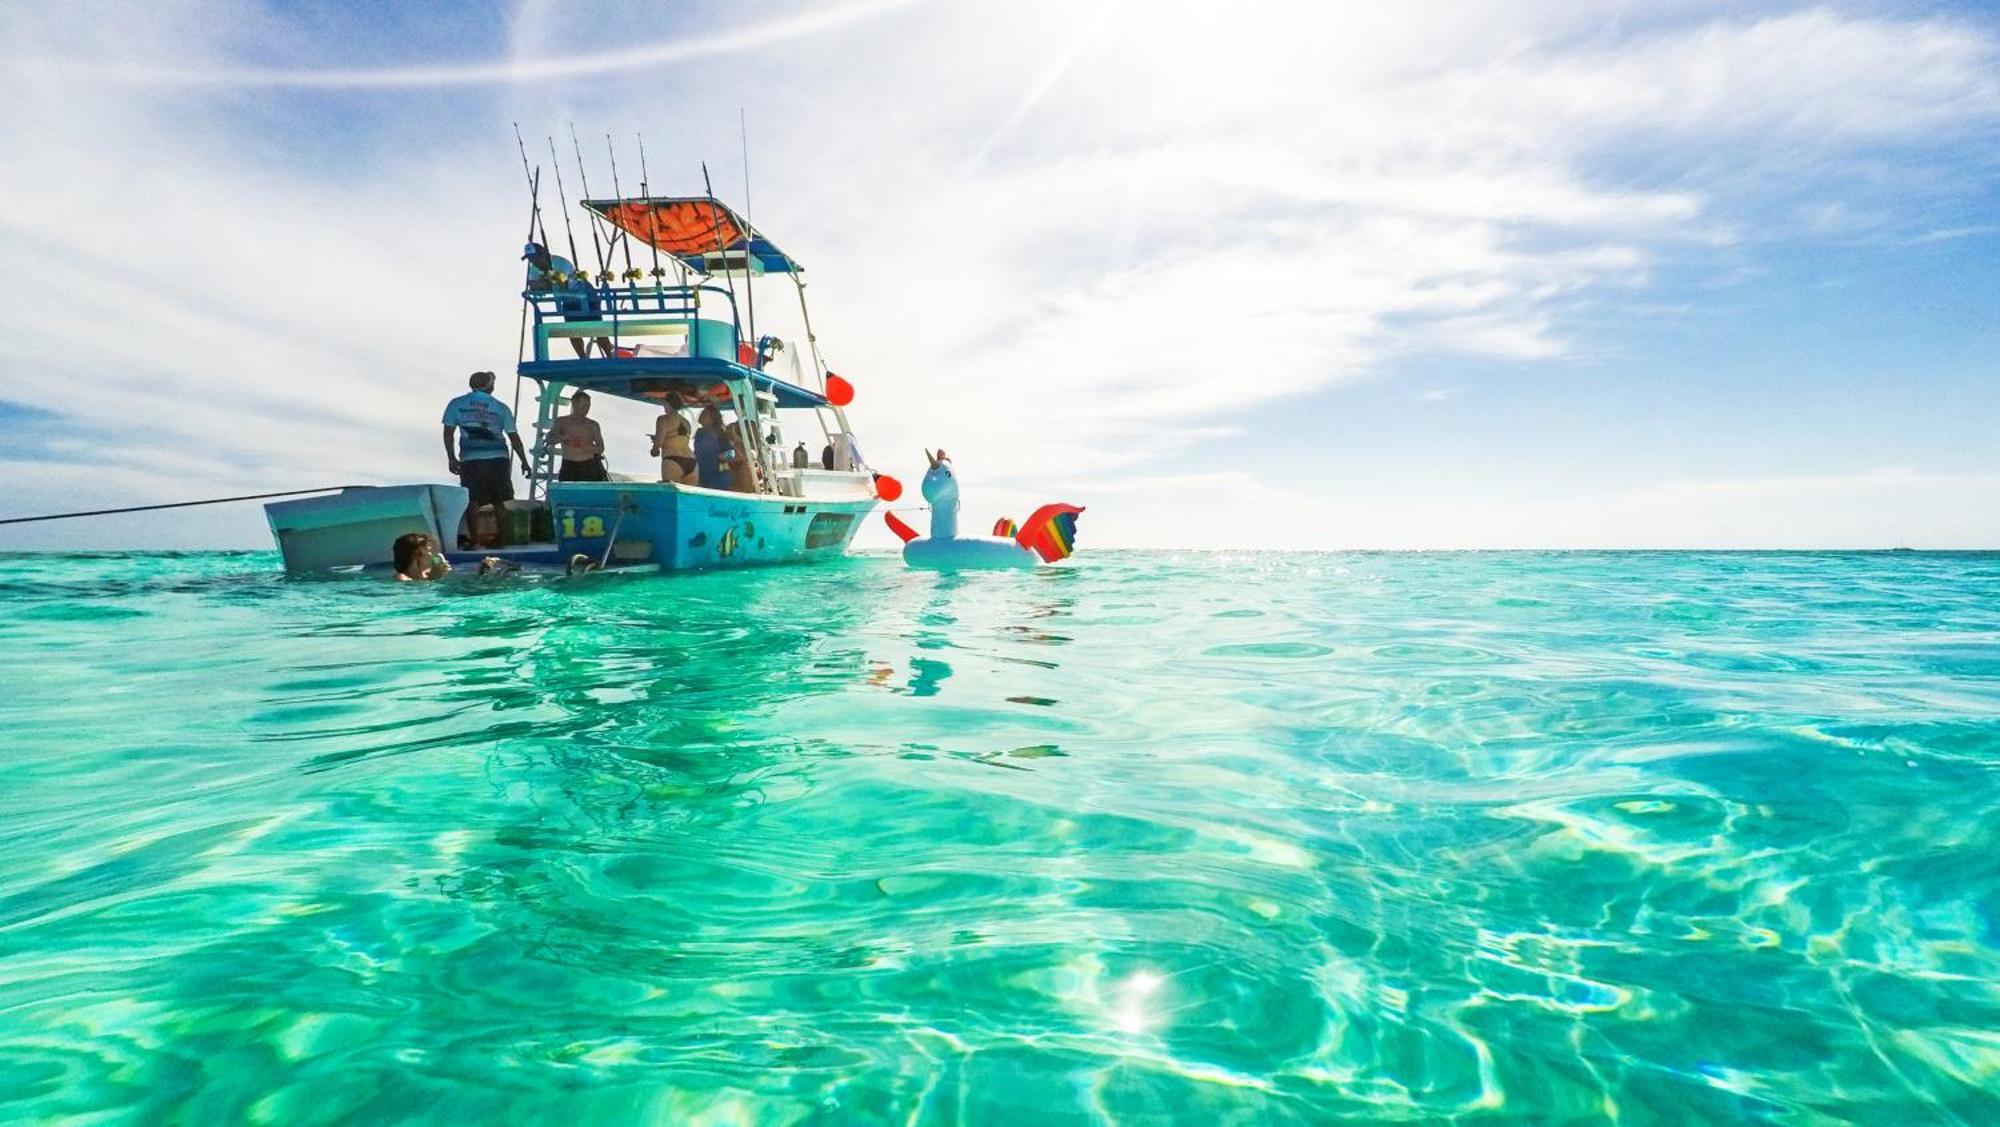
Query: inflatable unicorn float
[[1047, 536]]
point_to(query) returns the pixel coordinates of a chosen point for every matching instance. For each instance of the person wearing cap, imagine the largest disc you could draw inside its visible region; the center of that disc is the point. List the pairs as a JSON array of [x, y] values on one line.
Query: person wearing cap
[[552, 273], [548, 273], [484, 428]]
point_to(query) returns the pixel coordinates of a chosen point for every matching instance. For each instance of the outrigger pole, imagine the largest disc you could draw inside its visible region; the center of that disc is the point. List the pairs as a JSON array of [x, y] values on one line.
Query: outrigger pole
[[749, 239], [603, 263], [722, 252], [534, 215], [752, 440], [631, 274]]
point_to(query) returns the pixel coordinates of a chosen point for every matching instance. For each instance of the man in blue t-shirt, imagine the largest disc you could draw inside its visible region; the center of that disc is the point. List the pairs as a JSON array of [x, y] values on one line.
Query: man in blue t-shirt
[[484, 427]]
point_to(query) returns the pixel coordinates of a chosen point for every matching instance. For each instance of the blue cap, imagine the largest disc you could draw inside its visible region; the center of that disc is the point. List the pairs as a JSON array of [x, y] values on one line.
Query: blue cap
[[531, 250]]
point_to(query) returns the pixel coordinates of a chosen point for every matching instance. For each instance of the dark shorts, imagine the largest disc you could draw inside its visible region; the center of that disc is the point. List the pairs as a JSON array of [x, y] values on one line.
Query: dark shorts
[[592, 470], [489, 480]]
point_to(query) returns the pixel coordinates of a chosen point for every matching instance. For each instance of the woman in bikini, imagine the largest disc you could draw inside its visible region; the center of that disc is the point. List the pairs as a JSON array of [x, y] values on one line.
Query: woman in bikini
[[672, 443]]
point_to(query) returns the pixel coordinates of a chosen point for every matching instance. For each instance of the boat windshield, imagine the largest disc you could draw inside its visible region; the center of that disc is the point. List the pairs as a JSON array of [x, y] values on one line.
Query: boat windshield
[[783, 362]]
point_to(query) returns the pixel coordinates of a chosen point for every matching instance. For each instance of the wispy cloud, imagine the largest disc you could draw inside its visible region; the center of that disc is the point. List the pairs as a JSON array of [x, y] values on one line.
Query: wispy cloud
[[516, 69], [1948, 234]]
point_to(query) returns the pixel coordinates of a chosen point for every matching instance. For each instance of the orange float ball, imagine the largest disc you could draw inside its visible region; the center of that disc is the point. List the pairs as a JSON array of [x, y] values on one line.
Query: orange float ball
[[838, 391], [887, 488]]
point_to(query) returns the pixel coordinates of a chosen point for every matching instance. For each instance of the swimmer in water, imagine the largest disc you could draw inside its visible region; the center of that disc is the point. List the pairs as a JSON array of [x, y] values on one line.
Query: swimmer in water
[[418, 559]]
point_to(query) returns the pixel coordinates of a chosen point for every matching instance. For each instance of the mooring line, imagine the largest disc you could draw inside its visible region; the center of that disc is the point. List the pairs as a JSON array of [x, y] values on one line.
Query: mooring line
[[179, 504]]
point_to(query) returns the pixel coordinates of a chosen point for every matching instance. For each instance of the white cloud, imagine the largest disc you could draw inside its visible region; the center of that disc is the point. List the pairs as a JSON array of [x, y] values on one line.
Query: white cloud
[[1884, 508], [1811, 74]]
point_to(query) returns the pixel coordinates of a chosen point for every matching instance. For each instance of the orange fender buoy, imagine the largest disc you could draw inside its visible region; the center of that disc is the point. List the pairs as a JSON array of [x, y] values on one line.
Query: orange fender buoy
[[887, 488], [838, 391]]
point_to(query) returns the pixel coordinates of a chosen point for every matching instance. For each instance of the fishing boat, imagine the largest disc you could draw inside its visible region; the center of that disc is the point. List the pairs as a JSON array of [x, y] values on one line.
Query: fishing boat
[[685, 328]]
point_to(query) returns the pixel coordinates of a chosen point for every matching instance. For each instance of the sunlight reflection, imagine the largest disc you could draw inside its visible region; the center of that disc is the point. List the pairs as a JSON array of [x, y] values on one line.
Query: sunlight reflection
[[1131, 1008]]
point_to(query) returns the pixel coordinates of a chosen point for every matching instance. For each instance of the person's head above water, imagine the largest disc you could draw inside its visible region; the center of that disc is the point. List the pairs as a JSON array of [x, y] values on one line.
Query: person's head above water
[[412, 553], [579, 404], [480, 381]]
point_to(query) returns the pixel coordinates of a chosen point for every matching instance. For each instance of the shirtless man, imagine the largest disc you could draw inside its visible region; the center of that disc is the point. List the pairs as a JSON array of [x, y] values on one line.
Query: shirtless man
[[581, 442]]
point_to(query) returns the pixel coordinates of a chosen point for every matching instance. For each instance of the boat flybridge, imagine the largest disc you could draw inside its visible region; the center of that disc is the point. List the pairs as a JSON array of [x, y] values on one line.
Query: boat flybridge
[[680, 332]]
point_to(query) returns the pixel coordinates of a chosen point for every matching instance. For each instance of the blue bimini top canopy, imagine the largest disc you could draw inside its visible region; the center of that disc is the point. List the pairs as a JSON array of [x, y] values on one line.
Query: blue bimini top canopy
[[650, 378], [700, 232]]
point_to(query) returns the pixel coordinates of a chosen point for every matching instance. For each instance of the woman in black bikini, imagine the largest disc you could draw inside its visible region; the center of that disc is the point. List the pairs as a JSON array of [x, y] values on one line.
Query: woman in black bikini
[[672, 443]]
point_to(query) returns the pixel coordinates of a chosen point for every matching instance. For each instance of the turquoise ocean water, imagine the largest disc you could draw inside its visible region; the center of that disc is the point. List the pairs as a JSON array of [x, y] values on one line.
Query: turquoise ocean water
[[1214, 838]]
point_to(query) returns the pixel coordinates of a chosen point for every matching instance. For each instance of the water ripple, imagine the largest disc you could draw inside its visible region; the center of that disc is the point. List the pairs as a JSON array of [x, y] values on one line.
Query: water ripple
[[1154, 837]]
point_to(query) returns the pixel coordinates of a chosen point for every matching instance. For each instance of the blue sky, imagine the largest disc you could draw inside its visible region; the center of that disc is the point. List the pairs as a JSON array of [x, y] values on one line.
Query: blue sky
[[1448, 275]]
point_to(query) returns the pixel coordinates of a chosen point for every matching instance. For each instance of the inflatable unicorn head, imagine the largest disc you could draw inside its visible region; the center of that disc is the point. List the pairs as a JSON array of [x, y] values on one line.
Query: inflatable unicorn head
[[1048, 536], [940, 488]]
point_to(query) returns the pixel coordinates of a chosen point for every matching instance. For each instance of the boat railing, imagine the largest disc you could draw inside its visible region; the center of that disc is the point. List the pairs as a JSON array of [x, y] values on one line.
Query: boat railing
[[704, 315]]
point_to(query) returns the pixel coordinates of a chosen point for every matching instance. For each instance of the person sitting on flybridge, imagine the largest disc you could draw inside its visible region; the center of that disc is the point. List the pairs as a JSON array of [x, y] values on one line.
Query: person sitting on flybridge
[[581, 441], [484, 427], [550, 273]]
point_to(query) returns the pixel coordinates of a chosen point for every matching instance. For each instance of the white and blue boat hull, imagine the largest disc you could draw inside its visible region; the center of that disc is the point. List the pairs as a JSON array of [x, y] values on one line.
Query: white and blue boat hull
[[686, 528]]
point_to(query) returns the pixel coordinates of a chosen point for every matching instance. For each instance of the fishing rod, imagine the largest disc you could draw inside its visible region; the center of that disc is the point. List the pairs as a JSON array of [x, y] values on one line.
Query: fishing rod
[[631, 274], [534, 193], [180, 504], [603, 263], [646, 190], [535, 209], [562, 196]]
